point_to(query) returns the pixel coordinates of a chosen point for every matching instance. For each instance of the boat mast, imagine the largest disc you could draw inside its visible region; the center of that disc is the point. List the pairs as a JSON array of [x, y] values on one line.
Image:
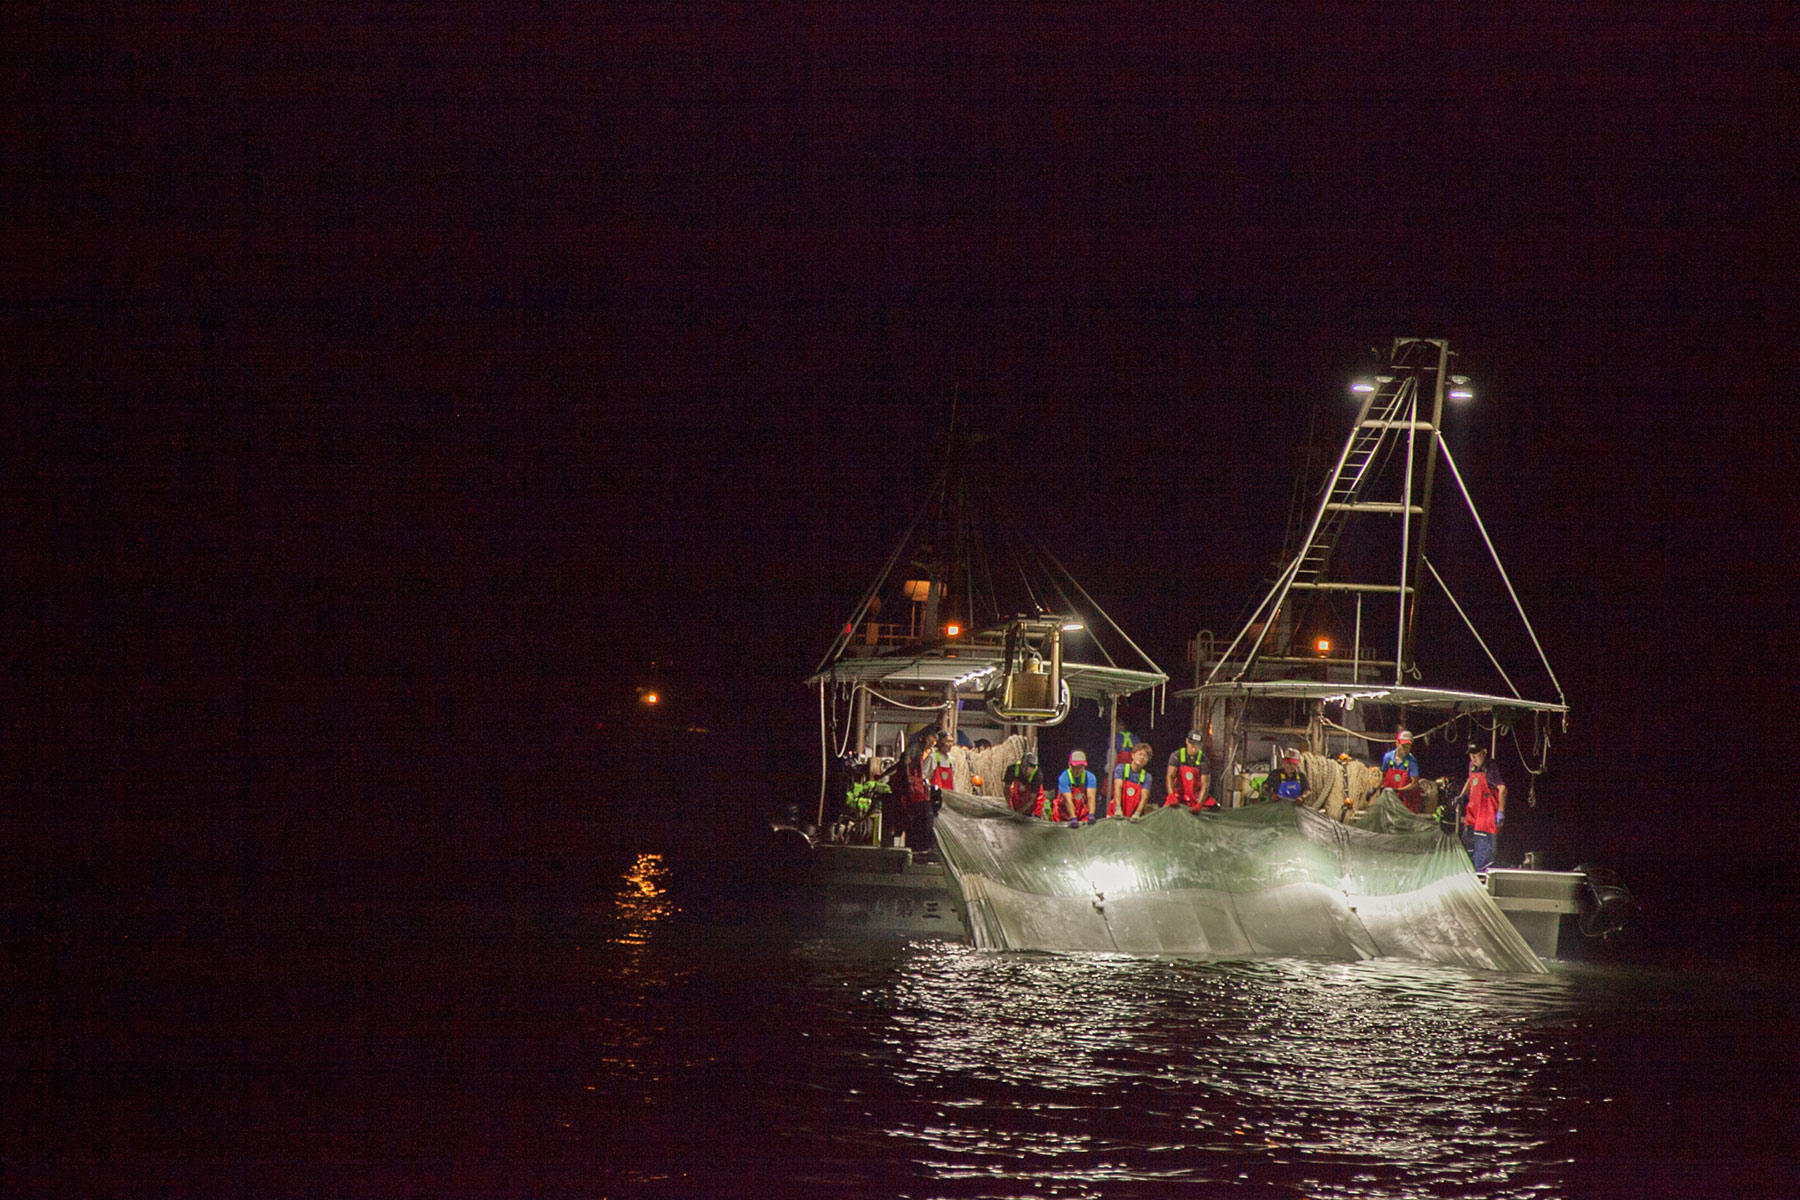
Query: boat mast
[[1434, 437]]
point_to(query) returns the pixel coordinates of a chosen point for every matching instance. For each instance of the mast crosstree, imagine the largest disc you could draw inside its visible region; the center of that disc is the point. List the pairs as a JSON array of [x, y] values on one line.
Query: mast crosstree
[[1384, 474]]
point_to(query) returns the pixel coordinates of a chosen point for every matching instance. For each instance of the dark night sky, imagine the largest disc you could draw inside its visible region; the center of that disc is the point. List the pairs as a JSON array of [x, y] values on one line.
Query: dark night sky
[[417, 378]]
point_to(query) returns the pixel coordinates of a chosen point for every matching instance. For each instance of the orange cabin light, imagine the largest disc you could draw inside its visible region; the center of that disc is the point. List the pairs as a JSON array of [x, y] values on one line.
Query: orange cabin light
[[952, 630], [1324, 645]]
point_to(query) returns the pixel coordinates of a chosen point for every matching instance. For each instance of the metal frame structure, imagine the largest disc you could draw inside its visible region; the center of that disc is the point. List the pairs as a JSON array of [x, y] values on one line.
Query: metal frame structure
[[1012, 603], [1386, 470], [1389, 422]]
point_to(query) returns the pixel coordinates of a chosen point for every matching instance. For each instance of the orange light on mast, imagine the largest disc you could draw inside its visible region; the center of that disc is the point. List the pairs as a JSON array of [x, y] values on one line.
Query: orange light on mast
[[1324, 645], [650, 698], [952, 629]]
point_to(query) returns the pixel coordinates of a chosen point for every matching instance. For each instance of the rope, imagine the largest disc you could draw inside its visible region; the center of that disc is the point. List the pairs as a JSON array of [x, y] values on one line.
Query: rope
[[940, 706], [1336, 785], [1543, 758], [824, 748], [1382, 737]]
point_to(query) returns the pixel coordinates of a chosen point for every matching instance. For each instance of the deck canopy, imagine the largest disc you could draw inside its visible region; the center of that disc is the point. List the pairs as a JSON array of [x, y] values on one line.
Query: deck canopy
[[1351, 694], [969, 597], [974, 665]]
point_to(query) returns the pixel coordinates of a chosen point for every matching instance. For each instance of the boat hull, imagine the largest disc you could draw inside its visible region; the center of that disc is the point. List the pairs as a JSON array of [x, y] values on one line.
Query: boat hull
[[882, 892]]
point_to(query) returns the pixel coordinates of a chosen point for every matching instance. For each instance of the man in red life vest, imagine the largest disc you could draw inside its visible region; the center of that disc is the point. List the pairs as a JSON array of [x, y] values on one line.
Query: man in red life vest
[[1486, 811], [1400, 771], [1189, 778], [1025, 784], [1076, 790], [1131, 784]]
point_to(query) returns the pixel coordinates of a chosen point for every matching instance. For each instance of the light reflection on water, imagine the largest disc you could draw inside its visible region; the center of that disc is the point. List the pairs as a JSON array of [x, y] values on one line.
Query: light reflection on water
[[1285, 1061], [933, 1069], [642, 899]]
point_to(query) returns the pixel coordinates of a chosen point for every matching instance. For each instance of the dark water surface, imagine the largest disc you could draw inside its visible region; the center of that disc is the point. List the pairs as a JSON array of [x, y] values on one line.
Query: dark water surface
[[630, 1045]]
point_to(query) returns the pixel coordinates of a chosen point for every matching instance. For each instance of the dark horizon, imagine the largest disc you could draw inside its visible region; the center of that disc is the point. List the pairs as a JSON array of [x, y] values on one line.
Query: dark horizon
[[393, 396]]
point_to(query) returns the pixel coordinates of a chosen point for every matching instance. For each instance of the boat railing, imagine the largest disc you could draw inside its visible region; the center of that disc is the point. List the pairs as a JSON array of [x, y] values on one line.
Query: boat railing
[[874, 637]]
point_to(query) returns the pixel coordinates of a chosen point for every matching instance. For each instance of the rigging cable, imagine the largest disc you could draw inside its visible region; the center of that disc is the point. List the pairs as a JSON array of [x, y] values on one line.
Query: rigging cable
[[1148, 661], [1495, 554], [1471, 624], [843, 637]]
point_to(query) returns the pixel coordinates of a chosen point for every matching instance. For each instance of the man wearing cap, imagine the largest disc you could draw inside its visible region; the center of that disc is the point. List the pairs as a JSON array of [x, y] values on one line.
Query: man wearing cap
[[1400, 771], [1485, 793], [1025, 784], [1076, 789], [1189, 777], [1285, 782]]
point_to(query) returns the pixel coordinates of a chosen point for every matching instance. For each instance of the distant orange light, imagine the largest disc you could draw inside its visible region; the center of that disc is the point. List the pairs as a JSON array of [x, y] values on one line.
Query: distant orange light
[[1324, 645], [652, 698], [952, 630]]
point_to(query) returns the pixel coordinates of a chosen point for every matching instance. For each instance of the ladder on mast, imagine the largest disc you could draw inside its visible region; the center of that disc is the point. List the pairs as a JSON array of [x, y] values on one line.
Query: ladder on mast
[[1389, 420]]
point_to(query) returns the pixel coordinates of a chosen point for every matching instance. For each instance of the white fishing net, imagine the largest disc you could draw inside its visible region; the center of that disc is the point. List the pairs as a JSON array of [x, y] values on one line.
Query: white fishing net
[[1272, 879]]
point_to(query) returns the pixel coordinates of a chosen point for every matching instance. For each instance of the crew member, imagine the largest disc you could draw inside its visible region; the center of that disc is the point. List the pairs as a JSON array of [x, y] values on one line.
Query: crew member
[[940, 772], [1400, 771], [917, 804], [1122, 748], [1025, 784], [1286, 782], [1189, 777], [1131, 784], [1076, 790], [1485, 792]]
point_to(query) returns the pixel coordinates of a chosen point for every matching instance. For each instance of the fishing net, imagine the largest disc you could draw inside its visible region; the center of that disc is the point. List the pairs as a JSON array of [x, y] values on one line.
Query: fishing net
[[988, 765], [1267, 880], [1337, 785]]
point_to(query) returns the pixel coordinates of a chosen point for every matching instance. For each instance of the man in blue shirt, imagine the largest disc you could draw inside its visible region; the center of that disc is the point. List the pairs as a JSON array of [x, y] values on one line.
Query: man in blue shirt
[[1400, 770], [1077, 791]]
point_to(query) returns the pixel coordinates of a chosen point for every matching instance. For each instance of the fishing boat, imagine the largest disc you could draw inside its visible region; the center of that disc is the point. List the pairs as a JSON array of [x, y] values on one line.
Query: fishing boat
[[1328, 663], [974, 627], [1325, 669]]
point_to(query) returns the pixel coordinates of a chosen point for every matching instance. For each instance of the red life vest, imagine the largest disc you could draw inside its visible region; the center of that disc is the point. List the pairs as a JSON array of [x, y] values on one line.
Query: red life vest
[[1026, 795], [1395, 773], [915, 788], [1187, 779], [1484, 802], [1075, 808], [1134, 789]]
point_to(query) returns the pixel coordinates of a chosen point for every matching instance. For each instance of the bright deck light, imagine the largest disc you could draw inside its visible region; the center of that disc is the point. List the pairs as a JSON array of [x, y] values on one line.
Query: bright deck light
[[952, 630], [1362, 387], [1072, 627], [1323, 645]]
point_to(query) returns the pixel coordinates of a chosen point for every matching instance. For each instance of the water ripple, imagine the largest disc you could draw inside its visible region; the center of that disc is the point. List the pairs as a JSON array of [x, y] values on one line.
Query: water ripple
[[938, 1070]]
